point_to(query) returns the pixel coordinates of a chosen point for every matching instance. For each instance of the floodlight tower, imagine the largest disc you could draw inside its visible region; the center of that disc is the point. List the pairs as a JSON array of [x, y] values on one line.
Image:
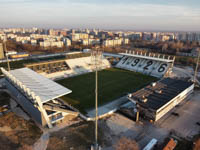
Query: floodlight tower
[[96, 56]]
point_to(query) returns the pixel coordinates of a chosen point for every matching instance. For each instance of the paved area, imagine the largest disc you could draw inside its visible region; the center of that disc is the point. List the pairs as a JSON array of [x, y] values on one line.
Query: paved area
[[108, 108], [42, 143], [183, 72], [184, 125], [121, 126]]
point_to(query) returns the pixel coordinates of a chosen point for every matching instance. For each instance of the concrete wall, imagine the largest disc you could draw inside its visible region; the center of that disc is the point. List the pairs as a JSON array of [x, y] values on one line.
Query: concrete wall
[[26, 104]]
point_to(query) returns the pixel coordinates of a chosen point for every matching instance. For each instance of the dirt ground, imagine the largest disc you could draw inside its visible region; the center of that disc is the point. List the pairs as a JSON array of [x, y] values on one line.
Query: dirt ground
[[77, 137], [16, 133], [111, 130]]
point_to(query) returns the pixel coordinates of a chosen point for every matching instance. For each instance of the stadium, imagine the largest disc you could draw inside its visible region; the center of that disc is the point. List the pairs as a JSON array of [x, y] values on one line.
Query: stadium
[[51, 90]]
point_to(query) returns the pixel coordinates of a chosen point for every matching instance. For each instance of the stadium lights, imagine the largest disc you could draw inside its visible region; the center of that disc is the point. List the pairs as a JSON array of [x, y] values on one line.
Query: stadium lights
[[197, 64], [96, 56]]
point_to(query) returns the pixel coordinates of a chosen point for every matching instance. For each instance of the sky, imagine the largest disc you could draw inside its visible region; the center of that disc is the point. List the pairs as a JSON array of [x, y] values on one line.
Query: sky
[[141, 15]]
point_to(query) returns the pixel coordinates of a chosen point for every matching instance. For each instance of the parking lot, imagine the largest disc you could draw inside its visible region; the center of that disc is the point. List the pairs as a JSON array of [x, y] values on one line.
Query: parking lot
[[183, 118]]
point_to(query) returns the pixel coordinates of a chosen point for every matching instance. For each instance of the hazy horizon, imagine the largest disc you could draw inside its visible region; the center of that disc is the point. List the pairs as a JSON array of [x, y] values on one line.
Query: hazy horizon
[[143, 15]]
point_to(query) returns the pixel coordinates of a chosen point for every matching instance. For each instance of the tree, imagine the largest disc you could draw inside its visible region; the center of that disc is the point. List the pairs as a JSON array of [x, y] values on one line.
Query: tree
[[126, 144], [165, 47]]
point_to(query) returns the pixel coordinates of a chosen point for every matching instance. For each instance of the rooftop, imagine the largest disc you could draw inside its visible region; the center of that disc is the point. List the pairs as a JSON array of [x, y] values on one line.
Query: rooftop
[[43, 87], [158, 94], [149, 57]]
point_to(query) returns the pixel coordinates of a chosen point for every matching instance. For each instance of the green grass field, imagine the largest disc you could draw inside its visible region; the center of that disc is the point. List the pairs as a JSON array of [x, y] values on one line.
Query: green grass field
[[113, 83]]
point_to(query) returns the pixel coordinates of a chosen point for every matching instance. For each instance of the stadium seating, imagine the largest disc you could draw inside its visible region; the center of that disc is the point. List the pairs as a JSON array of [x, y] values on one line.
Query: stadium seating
[[76, 66], [151, 67], [84, 64], [49, 67]]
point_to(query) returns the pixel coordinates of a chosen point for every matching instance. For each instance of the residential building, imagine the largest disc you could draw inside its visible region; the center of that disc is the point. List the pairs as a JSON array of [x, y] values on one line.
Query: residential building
[[2, 56]]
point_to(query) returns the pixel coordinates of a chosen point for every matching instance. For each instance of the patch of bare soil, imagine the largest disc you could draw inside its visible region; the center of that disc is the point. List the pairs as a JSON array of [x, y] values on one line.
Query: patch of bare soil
[[19, 134], [76, 137]]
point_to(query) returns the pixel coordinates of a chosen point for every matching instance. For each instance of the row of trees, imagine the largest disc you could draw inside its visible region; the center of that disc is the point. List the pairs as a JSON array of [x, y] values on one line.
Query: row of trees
[[33, 49], [159, 47], [170, 47]]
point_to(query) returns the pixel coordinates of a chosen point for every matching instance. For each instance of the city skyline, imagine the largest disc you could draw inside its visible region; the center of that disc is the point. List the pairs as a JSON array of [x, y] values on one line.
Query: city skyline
[[127, 15]]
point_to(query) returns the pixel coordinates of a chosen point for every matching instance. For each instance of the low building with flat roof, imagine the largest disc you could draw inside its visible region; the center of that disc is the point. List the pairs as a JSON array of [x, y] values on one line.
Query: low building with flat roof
[[157, 99]]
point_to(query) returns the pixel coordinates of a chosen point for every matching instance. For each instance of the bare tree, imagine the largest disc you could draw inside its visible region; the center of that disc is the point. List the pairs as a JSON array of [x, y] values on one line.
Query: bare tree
[[164, 47], [126, 144]]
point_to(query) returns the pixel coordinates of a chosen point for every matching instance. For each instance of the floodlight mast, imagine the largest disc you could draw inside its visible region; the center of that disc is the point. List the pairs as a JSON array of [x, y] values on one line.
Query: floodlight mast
[[96, 106], [197, 64], [96, 60]]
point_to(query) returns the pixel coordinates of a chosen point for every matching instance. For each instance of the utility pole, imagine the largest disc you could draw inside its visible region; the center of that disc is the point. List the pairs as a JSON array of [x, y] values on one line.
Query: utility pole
[[197, 64], [96, 107], [5, 49]]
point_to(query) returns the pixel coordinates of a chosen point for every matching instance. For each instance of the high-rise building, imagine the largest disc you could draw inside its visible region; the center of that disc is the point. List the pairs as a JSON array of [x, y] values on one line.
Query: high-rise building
[[1, 51]]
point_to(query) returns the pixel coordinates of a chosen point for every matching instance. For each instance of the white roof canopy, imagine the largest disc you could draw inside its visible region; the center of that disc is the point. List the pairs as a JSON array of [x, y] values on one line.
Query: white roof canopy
[[43, 87], [148, 57]]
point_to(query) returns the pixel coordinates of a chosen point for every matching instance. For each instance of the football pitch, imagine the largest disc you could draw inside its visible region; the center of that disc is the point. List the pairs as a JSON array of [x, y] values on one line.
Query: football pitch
[[112, 84]]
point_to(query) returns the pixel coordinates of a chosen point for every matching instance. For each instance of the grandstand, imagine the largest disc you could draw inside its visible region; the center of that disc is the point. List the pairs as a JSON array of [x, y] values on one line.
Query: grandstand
[[49, 102], [49, 66], [147, 63], [157, 99], [74, 64], [39, 96]]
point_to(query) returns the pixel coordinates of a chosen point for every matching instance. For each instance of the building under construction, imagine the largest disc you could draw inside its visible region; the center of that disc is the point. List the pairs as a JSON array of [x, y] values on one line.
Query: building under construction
[[158, 98]]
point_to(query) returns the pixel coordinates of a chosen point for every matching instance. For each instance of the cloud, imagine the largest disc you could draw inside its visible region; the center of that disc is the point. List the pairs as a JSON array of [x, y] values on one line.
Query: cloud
[[113, 13]]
